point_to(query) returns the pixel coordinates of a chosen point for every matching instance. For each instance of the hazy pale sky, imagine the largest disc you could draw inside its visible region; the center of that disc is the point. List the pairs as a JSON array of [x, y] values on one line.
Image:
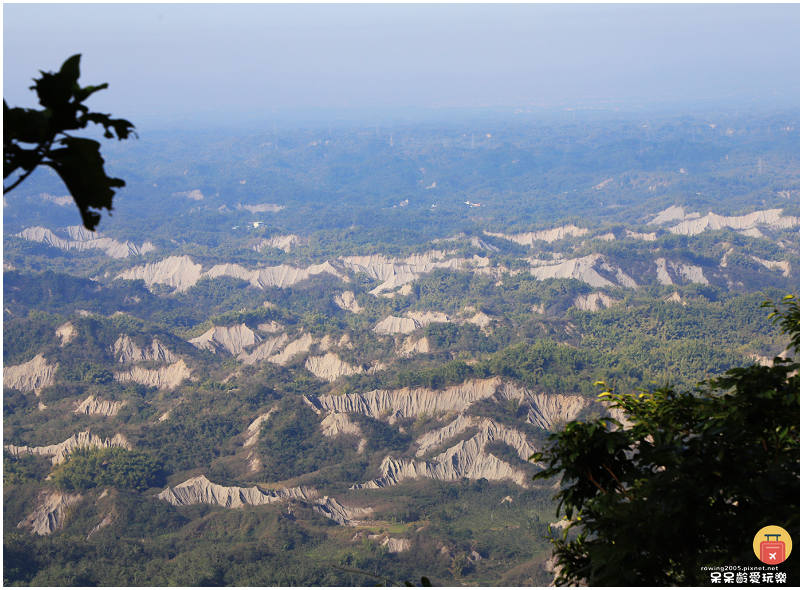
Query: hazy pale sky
[[164, 58]]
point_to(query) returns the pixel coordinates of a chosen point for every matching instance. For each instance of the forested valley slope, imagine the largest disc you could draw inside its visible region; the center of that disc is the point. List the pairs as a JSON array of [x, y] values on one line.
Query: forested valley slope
[[307, 348]]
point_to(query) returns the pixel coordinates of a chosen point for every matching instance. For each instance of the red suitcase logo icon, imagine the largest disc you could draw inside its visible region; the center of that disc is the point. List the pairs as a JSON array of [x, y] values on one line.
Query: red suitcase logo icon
[[772, 552]]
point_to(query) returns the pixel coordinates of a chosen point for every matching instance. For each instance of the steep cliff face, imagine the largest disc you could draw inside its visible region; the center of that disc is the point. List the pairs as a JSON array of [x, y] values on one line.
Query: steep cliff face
[[345, 515], [549, 235], [547, 411], [265, 350], [274, 276], [285, 243], [176, 271], [61, 451], [199, 490], [82, 239], [299, 346], [163, 378], [582, 269], [395, 325], [692, 224], [127, 351], [232, 339], [335, 424], [49, 516], [347, 301], [94, 407], [34, 374], [66, 332], [255, 428], [411, 347], [408, 402], [330, 367], [465, 459], [593, 301], [687, 272]]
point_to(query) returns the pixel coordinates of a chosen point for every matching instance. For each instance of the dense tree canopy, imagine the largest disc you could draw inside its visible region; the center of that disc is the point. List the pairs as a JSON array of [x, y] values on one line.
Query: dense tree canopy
[[687, 482]]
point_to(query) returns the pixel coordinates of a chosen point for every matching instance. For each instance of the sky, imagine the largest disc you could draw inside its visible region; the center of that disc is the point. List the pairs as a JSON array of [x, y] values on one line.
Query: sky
[[160, 59]]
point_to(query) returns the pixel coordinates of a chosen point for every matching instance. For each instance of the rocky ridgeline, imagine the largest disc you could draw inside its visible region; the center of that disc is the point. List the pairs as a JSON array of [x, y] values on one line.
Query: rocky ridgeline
[[126, 351], [30, 376], [164, 378], [49, 515], [61, 451], [94, 407], [691, 224], [330, 367], [465, 459], [82, 239], [549, 235], [199, 490], [233, 339]]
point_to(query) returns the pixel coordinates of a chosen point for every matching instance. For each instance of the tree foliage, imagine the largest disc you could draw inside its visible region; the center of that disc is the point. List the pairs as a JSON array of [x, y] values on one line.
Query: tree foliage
[[687, 482], [115, 467], [76, 160]]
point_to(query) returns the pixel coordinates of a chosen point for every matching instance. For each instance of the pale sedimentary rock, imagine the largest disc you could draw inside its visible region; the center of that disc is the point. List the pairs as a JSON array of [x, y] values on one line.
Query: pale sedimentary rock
[[548, 235], [66, 332], [62, 450], [49, 516], [91, 407], [330, 367], [593, 301], [396, 325], [268, 348], [299, 346], [83, 240], [347, 301], [163, 378], [233, 339], [176, 271], [130, 353], [340, 513], [199, 490], [34, 374]]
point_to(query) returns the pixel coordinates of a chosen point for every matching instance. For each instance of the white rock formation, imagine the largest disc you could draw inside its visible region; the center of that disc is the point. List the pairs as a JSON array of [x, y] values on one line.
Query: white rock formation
[[411, 347], [435, 438], [593, 301], [396, 545], [576, 268], [273, 276], [465, 459], [163, 378], [61, 451], [264, 351], [285, 243], [199, 490], [771, 218], [549, 235], [644, 237], [347, 301], [336, 423], [407, 402], [299, 346], [424, 318], [66, 332], [130, 353], [344, 515], [670, 214], [233, 339], [83, 240], [176, 271], [480, 319], [396, 325], [49, 516], [688, 272], [548, 411], [34, 374], [330, 367], [783, 265], [255, 428], [270, 327], [91, 407]]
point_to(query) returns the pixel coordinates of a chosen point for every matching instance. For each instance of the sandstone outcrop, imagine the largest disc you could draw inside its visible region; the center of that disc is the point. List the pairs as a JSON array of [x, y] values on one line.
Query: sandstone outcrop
[[264, 351], [299, 346], [347, 301], [576, 268], [783, 265], [396, 325], [255, 428], [344, 515], [335, 424], [273, 276], [130, 353], [330, 367], [465, 459], [285, 243], [199, 490], [49, 516], [771, 218], [549, 235], [424, 318], [270, 327], [689, 273], [94, 407], [34, 374], [176, 271], [411, 347], [408, 402], [61, 451], [396, 545], [66, 332], [593, 301], [163, 378], [83, 240], [232, 339], [480, 319]]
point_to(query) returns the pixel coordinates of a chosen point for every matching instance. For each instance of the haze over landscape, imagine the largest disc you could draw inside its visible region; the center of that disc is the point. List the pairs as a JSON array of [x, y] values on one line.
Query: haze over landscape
[[369, 260]]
